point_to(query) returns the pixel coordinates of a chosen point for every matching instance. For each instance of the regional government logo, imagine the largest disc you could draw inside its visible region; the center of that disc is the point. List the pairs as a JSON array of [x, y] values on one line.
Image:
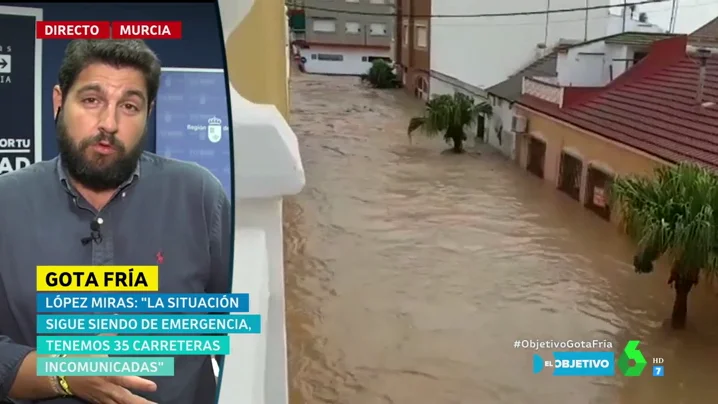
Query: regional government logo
[[214, 129]]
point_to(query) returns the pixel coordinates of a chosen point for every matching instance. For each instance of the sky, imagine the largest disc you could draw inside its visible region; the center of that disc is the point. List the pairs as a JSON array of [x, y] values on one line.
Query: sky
[[691, 13]]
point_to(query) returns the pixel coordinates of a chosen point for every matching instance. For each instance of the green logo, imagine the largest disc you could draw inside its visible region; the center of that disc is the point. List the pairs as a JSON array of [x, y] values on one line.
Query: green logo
[[631, 352]]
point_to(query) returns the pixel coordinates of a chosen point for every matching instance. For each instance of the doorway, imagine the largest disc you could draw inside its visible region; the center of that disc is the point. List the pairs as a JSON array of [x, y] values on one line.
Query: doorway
[[570, 171], [536, 157]]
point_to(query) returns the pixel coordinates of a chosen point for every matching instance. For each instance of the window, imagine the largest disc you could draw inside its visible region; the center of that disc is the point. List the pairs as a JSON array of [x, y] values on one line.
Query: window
[[352, 1], [328, 57], [353, 27], [570, 175], [314, 56], [377, 29], [324, 25], [377, 1], [422, 37]]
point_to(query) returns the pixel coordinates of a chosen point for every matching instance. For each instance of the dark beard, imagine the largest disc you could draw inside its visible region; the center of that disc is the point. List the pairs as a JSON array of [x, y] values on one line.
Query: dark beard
[[97, 174]]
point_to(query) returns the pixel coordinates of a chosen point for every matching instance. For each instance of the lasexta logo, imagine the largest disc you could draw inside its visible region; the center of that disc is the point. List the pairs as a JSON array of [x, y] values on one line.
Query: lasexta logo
[[632, 353]]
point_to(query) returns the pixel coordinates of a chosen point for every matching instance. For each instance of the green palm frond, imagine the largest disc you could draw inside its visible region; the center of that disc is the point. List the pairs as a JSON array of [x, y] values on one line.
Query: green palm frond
[[381, 75], [484, 109], [414, 124], [444, 113], [674, 213]]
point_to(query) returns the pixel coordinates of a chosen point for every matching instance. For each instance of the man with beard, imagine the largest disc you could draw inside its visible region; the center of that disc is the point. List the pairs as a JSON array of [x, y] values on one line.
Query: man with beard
[[146, 210]]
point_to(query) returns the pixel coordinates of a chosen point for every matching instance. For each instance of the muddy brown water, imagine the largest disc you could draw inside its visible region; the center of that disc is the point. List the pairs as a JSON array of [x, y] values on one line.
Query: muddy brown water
[[410, 273]]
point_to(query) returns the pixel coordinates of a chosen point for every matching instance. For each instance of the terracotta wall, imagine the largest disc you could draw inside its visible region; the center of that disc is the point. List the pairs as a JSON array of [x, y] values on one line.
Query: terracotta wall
[[593, 150], [416, 60]]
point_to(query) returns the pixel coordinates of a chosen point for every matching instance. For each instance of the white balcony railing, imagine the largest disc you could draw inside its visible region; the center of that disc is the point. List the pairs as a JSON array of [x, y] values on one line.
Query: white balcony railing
[[544, 88], [267, 168]]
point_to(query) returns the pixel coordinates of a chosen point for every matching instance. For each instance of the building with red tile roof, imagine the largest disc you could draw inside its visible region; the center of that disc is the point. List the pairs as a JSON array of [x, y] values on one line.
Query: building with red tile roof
[[655, 107], [661, 110]]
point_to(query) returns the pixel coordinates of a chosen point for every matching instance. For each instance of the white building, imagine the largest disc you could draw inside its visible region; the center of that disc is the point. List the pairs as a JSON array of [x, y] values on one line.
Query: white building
[[483, 51], [498, 47], [343, 37], [598, 62], [632, 24], [593, 63], [341, 61], [501, 47]]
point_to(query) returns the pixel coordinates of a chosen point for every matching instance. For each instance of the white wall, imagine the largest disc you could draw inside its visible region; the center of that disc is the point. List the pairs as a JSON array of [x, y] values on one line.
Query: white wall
[[501, 118], [582, 65], [615, 25], [485, 51], [351, 63], [597, 64], [267, 168], [440, 87], [593, 65], [614, 66]]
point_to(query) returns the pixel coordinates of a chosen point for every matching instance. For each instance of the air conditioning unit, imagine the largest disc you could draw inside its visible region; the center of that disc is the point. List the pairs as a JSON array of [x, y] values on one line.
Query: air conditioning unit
[[518, 123]]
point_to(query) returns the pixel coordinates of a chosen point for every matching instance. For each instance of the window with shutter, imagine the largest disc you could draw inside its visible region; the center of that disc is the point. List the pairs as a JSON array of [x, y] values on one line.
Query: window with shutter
[[324, 25], [377, 29], [352, 27]]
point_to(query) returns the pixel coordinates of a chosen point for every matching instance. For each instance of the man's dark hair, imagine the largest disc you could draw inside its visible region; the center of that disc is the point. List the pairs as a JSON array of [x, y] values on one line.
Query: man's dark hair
[[79, 54]]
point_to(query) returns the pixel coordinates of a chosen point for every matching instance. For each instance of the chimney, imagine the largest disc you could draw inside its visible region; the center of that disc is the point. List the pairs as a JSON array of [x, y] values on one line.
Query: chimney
[[703, 55], [541, 50]]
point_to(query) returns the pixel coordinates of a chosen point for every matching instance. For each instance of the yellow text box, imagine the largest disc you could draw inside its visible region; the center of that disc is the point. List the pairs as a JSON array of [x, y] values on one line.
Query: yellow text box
[[72, 278]]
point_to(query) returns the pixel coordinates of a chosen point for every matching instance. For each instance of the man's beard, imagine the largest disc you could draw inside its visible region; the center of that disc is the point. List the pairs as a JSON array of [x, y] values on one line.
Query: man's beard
[[98, 172]]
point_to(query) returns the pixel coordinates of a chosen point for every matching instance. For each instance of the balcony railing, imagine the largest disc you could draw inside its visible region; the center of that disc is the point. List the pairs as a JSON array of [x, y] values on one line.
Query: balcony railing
[[267, 168], [297, 35], [544, 88]]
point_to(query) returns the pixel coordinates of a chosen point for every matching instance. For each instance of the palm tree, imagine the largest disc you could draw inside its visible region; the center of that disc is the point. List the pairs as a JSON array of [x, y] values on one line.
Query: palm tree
[[381, 75], [449, 114], [674, 213]]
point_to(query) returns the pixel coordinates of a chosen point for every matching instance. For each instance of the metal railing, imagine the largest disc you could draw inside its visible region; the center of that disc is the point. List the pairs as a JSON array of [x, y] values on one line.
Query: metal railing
[[544, 88]]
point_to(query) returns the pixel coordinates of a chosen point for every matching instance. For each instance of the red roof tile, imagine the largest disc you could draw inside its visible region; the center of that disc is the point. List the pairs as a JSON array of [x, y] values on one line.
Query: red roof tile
[[653, 108]]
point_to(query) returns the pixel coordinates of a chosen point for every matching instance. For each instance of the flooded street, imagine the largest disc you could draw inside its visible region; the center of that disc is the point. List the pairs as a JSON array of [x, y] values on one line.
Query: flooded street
[[410, 273]]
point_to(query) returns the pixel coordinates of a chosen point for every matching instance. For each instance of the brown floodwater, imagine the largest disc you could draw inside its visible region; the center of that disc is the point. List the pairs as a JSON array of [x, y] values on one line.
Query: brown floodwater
[[410, 273]]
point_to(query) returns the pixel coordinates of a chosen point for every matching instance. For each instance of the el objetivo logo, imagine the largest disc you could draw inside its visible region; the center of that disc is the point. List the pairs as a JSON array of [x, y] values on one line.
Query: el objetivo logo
[[631, 362]]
